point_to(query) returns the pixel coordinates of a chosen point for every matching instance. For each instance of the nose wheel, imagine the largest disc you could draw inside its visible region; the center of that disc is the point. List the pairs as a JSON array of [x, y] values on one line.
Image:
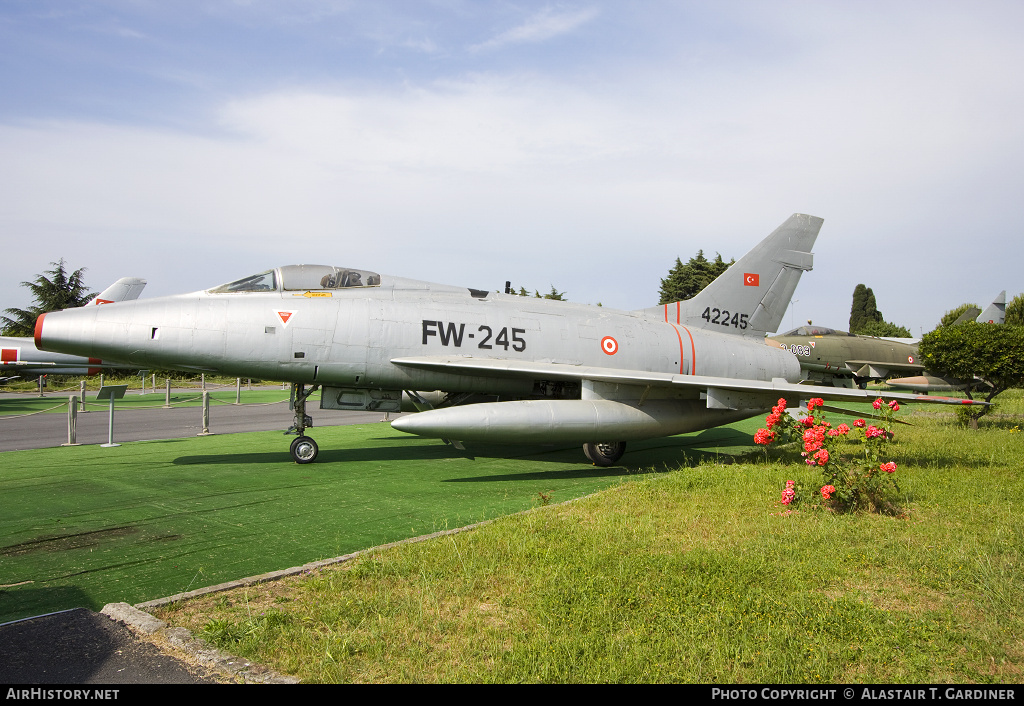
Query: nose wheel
[[304, 450]]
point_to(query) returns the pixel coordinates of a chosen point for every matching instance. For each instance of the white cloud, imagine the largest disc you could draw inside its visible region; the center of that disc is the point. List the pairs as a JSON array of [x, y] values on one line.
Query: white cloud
[[593, 185], [540, 27]]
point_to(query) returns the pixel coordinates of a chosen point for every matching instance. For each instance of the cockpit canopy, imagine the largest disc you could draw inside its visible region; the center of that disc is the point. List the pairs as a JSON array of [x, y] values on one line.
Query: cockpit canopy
[[815, 331], [301, 277]]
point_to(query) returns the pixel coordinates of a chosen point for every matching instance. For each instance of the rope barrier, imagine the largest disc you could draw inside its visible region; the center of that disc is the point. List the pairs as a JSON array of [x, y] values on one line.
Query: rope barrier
[[29, 414], [104, 405]]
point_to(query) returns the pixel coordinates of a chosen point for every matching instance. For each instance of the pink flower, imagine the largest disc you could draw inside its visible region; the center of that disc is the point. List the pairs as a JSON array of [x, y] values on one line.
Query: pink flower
[[813, 439], [821, 457], [894, 406], [814, 402], [888, 467], [873, 432], [841, 430], [826, 491], [764, 436], [859, 423], [788, 495], [877, 404]]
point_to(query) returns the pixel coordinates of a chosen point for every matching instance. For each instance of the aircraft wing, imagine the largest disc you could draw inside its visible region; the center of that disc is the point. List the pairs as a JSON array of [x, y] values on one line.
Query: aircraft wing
[[876, 369], [720, 393]]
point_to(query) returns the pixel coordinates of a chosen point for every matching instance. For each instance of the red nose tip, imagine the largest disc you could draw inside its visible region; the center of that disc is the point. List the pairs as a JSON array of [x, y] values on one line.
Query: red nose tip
[[39, 329]]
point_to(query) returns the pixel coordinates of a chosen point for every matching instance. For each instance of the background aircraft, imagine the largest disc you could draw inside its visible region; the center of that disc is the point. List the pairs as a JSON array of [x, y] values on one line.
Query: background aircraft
[[20, 356], [995, 313], [557, 371], [831, 357]]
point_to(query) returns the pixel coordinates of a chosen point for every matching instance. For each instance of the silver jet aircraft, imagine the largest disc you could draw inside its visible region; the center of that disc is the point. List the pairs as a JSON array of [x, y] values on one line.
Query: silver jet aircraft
[[552, 371]]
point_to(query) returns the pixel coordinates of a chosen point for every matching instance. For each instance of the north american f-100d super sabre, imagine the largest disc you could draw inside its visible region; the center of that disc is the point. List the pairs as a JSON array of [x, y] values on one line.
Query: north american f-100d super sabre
[[546, 371]]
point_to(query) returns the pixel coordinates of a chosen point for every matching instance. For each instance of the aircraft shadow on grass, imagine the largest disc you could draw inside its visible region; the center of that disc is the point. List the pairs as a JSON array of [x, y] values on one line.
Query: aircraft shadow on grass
[[656, 455]]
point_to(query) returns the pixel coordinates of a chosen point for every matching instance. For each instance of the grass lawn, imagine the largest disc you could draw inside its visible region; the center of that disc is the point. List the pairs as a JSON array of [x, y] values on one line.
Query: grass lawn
[[86, 526], [678, 566], [693, 575]]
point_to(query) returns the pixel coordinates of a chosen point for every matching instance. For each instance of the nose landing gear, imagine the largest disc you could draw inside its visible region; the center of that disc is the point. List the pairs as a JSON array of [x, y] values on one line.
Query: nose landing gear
[[303, 449]]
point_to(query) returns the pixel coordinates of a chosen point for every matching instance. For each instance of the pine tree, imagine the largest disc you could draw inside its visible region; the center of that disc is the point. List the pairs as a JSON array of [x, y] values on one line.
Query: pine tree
[[686, 281], [58, 291]]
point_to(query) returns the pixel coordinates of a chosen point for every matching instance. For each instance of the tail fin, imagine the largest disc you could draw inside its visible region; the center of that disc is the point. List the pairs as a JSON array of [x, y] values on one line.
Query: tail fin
[[996, 311], [750, 298], [124, 289]]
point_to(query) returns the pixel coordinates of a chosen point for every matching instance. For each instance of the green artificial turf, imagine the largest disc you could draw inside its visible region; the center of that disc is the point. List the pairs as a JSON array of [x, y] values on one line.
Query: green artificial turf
[[87, 526]]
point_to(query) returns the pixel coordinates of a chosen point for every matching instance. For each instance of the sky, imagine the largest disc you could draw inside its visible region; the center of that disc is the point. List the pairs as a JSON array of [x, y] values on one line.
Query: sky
[[577, 145]]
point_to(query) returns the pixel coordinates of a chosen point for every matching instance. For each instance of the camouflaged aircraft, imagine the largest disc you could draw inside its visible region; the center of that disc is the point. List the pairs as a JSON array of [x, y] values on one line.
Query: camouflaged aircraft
[[480, 366], [831, 357]]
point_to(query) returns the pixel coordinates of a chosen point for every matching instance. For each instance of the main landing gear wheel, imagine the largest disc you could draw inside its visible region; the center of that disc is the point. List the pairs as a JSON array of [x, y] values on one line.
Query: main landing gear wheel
[[605, 454], [304, 450]]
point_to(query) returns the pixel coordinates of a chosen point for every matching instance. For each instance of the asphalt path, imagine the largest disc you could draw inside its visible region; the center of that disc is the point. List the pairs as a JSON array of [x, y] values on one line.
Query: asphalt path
[[38, 431], [82, 647]]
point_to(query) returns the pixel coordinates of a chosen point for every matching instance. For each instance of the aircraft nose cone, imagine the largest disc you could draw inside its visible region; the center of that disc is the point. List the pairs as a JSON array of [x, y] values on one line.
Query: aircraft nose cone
[[38, 335], [67, 331]]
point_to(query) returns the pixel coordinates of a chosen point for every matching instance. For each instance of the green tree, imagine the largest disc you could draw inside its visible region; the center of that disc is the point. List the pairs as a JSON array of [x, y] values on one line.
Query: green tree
[[553, 294], [864, 310], [58, 291], [953, 314], [1015, 311], [867, 320], [684, 281], [991, 353], [884, 329]]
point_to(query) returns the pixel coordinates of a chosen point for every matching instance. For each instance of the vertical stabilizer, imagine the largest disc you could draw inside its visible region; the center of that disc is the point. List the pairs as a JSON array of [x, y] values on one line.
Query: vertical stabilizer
[[750, 298], [996, 311], [123, 290]]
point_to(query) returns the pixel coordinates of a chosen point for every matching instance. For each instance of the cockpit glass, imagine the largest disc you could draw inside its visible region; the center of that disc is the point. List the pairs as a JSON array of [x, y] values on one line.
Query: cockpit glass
[[263, 282], [811, 331], [300, 278]]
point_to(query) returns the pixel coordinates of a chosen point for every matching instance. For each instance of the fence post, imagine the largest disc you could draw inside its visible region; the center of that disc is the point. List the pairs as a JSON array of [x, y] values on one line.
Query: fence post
[[238, 390], [72, 421], [81, 391], [206, 415], [167, 393]]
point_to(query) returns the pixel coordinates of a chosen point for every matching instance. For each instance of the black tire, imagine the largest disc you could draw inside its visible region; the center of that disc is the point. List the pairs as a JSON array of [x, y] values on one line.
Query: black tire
[[605, 454], [304, 449]]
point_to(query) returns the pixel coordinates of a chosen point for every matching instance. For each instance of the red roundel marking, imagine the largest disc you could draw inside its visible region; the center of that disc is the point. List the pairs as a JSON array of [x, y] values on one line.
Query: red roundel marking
[[609, 345], [910, 359]]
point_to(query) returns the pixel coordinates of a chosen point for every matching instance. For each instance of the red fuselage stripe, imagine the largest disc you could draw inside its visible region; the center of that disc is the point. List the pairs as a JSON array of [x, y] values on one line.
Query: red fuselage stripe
[[678, 320], [682, 354]]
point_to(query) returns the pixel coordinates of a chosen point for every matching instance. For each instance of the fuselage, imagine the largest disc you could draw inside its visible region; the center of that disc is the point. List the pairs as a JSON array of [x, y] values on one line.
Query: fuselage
[[348, 336], [828, 352], [19, 357]]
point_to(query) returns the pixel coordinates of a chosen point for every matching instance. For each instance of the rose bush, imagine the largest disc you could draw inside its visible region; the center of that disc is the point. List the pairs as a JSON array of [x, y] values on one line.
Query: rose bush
[[855, 478]]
